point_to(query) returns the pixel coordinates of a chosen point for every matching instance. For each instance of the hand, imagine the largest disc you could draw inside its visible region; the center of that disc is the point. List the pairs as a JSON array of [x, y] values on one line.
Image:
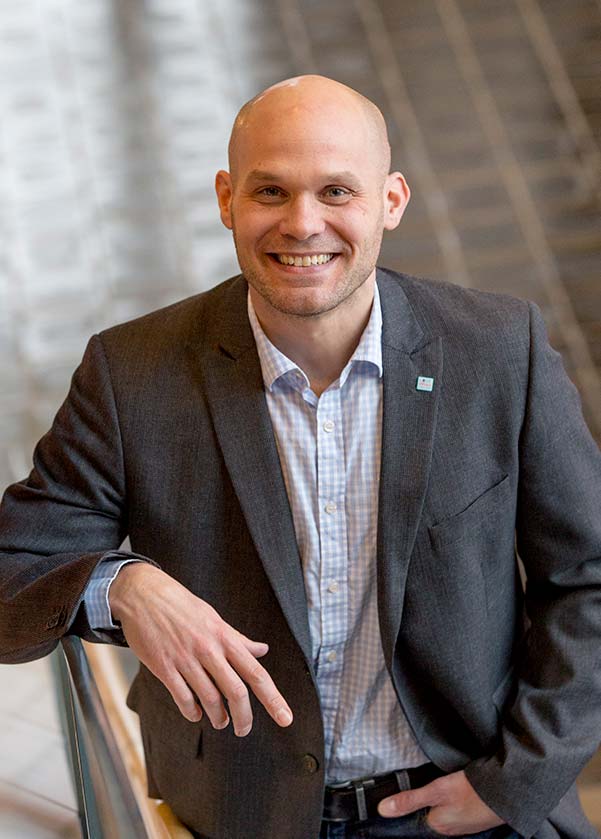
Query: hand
[[455, 807], [186, 644]]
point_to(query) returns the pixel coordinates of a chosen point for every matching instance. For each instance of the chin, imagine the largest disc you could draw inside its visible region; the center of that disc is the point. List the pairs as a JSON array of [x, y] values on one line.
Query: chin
[[297, 308]]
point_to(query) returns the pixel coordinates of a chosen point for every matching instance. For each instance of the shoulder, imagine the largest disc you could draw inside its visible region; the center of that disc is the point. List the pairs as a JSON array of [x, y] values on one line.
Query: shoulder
[[458, 314], [172, 328], [443, 304]]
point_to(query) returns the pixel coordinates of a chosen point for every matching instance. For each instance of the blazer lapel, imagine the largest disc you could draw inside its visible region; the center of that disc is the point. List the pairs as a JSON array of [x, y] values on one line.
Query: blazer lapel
[[408, 426], [234, 389]]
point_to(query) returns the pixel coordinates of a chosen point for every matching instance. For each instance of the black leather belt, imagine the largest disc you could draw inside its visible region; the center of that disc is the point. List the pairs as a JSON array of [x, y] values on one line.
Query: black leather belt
[[358, 800]]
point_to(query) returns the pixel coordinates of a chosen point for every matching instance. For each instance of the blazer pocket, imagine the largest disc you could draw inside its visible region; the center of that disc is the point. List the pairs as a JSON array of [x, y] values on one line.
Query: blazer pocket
[[503, 690], [161, 718], [462, 525]]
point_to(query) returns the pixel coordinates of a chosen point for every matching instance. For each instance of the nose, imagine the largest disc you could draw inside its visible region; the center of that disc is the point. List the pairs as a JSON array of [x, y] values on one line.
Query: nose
[[302, 218]]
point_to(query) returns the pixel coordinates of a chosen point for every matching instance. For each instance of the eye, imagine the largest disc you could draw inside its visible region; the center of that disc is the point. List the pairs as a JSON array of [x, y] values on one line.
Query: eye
[[269, 192], [337, 194]]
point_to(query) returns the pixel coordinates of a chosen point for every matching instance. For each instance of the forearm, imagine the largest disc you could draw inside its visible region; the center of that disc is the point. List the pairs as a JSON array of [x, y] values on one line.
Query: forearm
[[551, 722], [39, 601], [56, 525]]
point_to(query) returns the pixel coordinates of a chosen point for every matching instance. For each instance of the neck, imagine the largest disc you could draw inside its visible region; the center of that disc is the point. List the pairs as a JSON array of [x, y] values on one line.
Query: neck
[[320, 345]]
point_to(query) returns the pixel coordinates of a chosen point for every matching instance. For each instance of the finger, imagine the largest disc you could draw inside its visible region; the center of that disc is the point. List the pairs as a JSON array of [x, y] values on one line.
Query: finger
[[236, 693], [208, 695], [262, 685], [256, 648], [433, 817], [182, 696], [409, 801]]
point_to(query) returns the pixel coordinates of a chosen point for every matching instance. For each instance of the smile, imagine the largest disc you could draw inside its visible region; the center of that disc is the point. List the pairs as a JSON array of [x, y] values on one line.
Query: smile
[[305, 260]]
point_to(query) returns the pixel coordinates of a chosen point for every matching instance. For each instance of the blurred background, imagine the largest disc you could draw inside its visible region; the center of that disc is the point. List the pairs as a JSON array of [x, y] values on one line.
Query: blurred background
[[115, 115]]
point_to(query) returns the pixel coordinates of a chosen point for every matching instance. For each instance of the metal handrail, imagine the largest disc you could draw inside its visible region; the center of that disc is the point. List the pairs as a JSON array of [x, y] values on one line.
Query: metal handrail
[[108, 806]]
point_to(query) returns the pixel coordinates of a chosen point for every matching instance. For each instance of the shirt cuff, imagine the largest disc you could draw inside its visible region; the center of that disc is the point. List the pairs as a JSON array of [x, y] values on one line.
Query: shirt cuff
[[96, 597]]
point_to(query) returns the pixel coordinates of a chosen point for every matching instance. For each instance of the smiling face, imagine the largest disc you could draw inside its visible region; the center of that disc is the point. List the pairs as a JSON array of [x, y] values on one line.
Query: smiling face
[[308, 197]]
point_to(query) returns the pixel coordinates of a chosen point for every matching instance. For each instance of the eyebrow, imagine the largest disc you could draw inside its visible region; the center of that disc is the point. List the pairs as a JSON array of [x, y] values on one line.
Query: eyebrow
[[261, 175], [345, 177]]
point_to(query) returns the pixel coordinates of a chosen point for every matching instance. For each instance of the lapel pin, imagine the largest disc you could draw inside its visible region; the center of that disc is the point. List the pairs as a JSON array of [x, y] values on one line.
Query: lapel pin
[[424, 383]]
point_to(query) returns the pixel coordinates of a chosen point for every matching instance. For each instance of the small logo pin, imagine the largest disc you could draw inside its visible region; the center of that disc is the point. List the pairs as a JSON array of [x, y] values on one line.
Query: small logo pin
[[424, 383]]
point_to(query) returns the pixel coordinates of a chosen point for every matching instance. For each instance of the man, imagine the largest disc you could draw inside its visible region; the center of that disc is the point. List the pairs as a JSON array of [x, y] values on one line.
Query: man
[[324, 514]]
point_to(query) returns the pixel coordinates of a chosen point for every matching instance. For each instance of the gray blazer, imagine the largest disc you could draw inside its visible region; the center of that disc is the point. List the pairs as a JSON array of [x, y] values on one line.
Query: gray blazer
[[165, 436]]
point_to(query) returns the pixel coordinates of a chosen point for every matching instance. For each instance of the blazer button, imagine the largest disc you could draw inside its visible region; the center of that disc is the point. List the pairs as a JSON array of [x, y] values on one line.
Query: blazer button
[[311, 764], [54, 621]]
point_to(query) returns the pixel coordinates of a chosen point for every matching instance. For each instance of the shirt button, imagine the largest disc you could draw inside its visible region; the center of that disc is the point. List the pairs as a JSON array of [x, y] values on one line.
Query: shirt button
[[328, 426], [331, 656], [333, 587], [331, 507], [311, 764]]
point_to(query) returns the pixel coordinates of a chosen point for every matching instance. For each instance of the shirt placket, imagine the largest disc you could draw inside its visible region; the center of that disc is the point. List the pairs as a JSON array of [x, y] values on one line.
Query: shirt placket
[[333, 581]]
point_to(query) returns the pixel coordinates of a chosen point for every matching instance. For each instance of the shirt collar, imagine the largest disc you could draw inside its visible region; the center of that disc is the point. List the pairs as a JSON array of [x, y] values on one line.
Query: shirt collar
[[275, 365]]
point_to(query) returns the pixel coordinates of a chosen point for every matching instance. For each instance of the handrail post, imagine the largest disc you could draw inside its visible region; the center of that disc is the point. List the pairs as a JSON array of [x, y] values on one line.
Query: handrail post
[[76, 752], [108, 805]]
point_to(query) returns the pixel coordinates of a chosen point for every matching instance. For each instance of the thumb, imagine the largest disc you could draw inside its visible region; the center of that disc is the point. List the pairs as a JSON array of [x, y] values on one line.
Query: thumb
[[410, 800]]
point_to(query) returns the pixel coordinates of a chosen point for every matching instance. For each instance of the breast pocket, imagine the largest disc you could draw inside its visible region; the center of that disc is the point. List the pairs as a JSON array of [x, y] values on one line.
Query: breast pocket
[[482, 514]]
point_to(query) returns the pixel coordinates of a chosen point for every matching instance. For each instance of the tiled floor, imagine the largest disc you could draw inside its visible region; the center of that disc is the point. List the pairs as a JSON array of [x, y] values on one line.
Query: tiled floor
[[36, 796]]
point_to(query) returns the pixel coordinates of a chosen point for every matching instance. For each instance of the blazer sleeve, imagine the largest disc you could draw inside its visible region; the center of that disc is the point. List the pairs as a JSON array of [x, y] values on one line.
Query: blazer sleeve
[[551, 722], [56, 525]]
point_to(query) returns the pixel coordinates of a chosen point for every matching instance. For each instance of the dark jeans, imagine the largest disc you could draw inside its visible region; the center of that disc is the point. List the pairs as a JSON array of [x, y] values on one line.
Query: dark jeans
[[407, 827]]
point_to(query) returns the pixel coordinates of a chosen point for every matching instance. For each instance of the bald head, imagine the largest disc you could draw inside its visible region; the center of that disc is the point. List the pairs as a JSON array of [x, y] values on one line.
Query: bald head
[[311, 98], [308, 198]]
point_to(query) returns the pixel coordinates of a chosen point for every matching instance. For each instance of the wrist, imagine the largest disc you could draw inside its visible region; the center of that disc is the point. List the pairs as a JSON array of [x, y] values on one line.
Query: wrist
[[121, 587]]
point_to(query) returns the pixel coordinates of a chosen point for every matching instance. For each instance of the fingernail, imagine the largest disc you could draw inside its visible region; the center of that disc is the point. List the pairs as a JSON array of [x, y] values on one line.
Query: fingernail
[[283, 717], [387, 808], [222, 724], [242, 732]]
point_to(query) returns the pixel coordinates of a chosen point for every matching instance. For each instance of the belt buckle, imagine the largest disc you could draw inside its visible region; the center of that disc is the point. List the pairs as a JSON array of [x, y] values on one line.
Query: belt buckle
[[360, 786]]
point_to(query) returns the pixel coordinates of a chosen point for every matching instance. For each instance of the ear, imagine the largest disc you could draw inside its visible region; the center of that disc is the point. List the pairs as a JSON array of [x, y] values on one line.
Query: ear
[[223, 188], [396, 198]]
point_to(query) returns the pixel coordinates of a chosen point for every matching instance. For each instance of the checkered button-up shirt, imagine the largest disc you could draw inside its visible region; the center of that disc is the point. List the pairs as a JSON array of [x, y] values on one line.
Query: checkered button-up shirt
[[329, 449]]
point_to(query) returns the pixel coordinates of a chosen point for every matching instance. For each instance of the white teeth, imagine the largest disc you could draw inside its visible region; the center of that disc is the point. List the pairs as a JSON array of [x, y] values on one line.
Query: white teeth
[[304, 261]]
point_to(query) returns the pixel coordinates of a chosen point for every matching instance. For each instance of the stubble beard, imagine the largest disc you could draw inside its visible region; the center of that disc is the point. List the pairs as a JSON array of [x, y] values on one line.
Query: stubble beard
[[301, 303]]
